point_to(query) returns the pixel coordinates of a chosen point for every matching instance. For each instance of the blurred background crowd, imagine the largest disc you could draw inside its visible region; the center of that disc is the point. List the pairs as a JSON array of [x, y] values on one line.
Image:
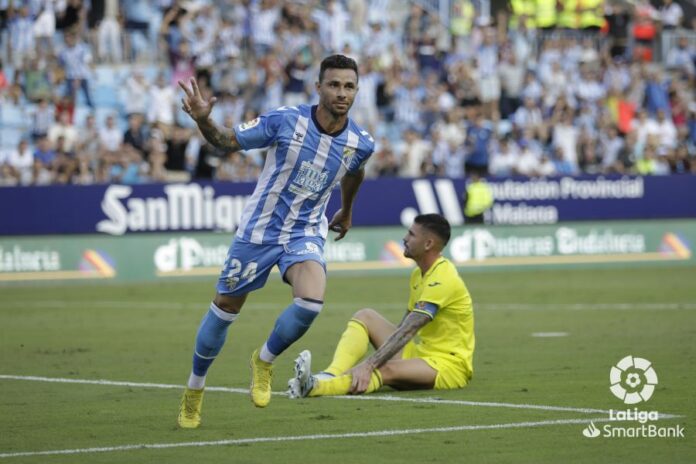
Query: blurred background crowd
[[527, 87]]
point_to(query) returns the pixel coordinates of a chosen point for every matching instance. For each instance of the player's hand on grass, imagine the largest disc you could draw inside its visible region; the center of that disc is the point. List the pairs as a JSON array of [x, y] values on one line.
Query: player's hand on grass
[[361, 378], [341, 223], [193, 103]]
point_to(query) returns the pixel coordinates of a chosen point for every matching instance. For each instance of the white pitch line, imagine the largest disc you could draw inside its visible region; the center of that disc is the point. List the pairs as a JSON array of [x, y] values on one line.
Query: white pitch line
[[240, 441], [171, 305], [378, 397]]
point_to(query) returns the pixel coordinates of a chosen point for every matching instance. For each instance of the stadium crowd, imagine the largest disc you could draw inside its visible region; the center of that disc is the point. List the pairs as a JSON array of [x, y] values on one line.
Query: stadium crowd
[[88, 87]]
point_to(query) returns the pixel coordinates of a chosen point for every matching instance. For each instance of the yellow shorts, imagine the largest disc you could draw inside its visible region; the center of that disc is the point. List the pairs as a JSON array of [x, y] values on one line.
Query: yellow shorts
[[449, 374]]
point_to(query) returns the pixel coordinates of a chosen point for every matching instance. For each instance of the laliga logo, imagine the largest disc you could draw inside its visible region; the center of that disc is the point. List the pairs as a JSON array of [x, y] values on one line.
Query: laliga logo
[[633, 380]]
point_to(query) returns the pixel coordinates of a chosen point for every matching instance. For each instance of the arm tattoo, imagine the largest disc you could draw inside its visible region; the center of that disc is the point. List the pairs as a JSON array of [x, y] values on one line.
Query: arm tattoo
[[405, 332], [221, 137]]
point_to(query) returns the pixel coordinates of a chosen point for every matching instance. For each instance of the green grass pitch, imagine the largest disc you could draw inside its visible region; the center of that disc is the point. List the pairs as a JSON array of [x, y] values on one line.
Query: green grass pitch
[[143, 334]]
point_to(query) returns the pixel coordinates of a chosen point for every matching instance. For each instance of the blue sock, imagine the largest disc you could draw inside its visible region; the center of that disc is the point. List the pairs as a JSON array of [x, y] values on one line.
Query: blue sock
[[210, 338], [292, 324]]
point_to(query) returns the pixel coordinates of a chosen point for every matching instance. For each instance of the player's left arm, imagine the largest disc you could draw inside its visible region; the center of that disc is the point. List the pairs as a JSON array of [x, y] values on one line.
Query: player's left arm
[[396, 341], [343, 219]]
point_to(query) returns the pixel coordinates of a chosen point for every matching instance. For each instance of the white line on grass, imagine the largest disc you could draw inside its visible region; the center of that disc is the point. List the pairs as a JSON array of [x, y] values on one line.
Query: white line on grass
[[619, 306], [377, 397], [241, 441]]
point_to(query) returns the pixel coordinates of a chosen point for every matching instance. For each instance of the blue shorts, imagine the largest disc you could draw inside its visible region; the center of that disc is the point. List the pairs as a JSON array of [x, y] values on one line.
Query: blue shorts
[[248, 264]]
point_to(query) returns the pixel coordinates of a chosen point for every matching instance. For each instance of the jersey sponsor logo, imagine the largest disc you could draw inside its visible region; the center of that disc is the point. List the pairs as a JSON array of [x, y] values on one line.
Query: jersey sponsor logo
[[249, 124], [309, 181]]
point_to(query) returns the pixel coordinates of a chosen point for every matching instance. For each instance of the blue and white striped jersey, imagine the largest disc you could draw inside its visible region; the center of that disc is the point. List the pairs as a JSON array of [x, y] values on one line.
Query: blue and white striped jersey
[[302, 167]]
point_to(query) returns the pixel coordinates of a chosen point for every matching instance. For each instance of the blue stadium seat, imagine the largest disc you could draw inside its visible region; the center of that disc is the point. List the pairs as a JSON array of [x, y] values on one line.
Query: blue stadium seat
[[13, 116], [81, 113], [10, 137]]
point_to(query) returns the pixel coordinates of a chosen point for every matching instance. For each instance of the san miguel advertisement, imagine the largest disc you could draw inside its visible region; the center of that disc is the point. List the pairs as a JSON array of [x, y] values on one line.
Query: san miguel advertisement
[[199, 207]]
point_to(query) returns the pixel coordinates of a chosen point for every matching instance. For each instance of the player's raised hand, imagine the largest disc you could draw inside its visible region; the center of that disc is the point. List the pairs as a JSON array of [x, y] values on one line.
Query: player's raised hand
[[193, 103], [340, 223]]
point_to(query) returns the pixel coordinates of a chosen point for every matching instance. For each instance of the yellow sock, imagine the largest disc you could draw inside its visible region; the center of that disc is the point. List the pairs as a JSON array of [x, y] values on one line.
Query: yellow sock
[[350, 349], [341, 385]]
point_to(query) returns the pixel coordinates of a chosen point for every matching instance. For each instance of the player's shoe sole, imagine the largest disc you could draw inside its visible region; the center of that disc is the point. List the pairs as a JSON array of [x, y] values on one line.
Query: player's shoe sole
[[190, 409], [261, 375], [303, 382]]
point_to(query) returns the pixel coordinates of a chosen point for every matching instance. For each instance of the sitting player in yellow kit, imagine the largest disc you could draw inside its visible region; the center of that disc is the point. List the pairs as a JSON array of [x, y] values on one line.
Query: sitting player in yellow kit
[[433, 345]]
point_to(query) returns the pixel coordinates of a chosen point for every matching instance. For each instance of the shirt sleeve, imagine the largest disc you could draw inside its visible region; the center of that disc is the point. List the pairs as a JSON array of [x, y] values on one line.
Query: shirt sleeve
[[260, 132], [436, 291], [425, 307], [363, 154]]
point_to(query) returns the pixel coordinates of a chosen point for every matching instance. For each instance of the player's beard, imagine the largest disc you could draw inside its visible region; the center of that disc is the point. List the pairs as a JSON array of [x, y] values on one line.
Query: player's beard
[[340, 111], [407, 253]]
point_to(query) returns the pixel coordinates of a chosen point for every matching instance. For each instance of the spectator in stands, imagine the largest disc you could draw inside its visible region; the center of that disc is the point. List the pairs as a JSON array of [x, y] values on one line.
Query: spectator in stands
[[135, 136], [21, 161], [511, 74], [162, 99], [385, 163], [666, 130], [413, 150], [681, 57], [478, 142], [562, 166], [670, 14], [88, 146], [137, 24], [21, 35], [566, 136], [136, 93], [177, 163], [528, 162], [8, 176], [63, 134], [71, 15], [44, 162], [110, 136], [504, 158], [76, 59], [109, 33], [42, 118]]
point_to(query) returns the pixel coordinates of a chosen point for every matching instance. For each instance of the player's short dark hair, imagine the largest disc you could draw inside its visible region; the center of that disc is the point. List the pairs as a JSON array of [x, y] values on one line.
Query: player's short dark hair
[[435, 224], [337, 62]]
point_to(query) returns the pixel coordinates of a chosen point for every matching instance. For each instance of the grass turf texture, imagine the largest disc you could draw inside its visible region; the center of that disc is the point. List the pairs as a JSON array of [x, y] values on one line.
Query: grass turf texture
[[145, 333]]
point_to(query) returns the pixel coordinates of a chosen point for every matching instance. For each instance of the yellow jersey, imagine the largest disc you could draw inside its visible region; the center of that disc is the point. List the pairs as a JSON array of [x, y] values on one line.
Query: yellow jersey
[[450, 334]]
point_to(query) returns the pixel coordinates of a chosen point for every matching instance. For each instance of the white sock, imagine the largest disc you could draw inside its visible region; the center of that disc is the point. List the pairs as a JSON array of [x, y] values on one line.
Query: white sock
[[265, 355], [196, 382]]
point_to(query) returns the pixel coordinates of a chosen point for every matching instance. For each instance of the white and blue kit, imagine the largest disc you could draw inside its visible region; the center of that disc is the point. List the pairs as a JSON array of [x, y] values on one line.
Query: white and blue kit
[[283, 222]]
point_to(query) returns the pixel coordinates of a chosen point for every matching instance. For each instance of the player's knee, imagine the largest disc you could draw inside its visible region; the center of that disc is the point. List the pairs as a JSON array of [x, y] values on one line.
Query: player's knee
[[229, 304], [387, 372], [366, 315]]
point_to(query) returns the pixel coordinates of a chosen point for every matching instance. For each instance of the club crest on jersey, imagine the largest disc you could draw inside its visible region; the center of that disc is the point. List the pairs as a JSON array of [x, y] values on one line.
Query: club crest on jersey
[[348, 154], [249, 124]]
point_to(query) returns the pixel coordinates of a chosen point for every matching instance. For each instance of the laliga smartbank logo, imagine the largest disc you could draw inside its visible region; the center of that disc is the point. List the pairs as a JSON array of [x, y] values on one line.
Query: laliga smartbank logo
[[633, 380]]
